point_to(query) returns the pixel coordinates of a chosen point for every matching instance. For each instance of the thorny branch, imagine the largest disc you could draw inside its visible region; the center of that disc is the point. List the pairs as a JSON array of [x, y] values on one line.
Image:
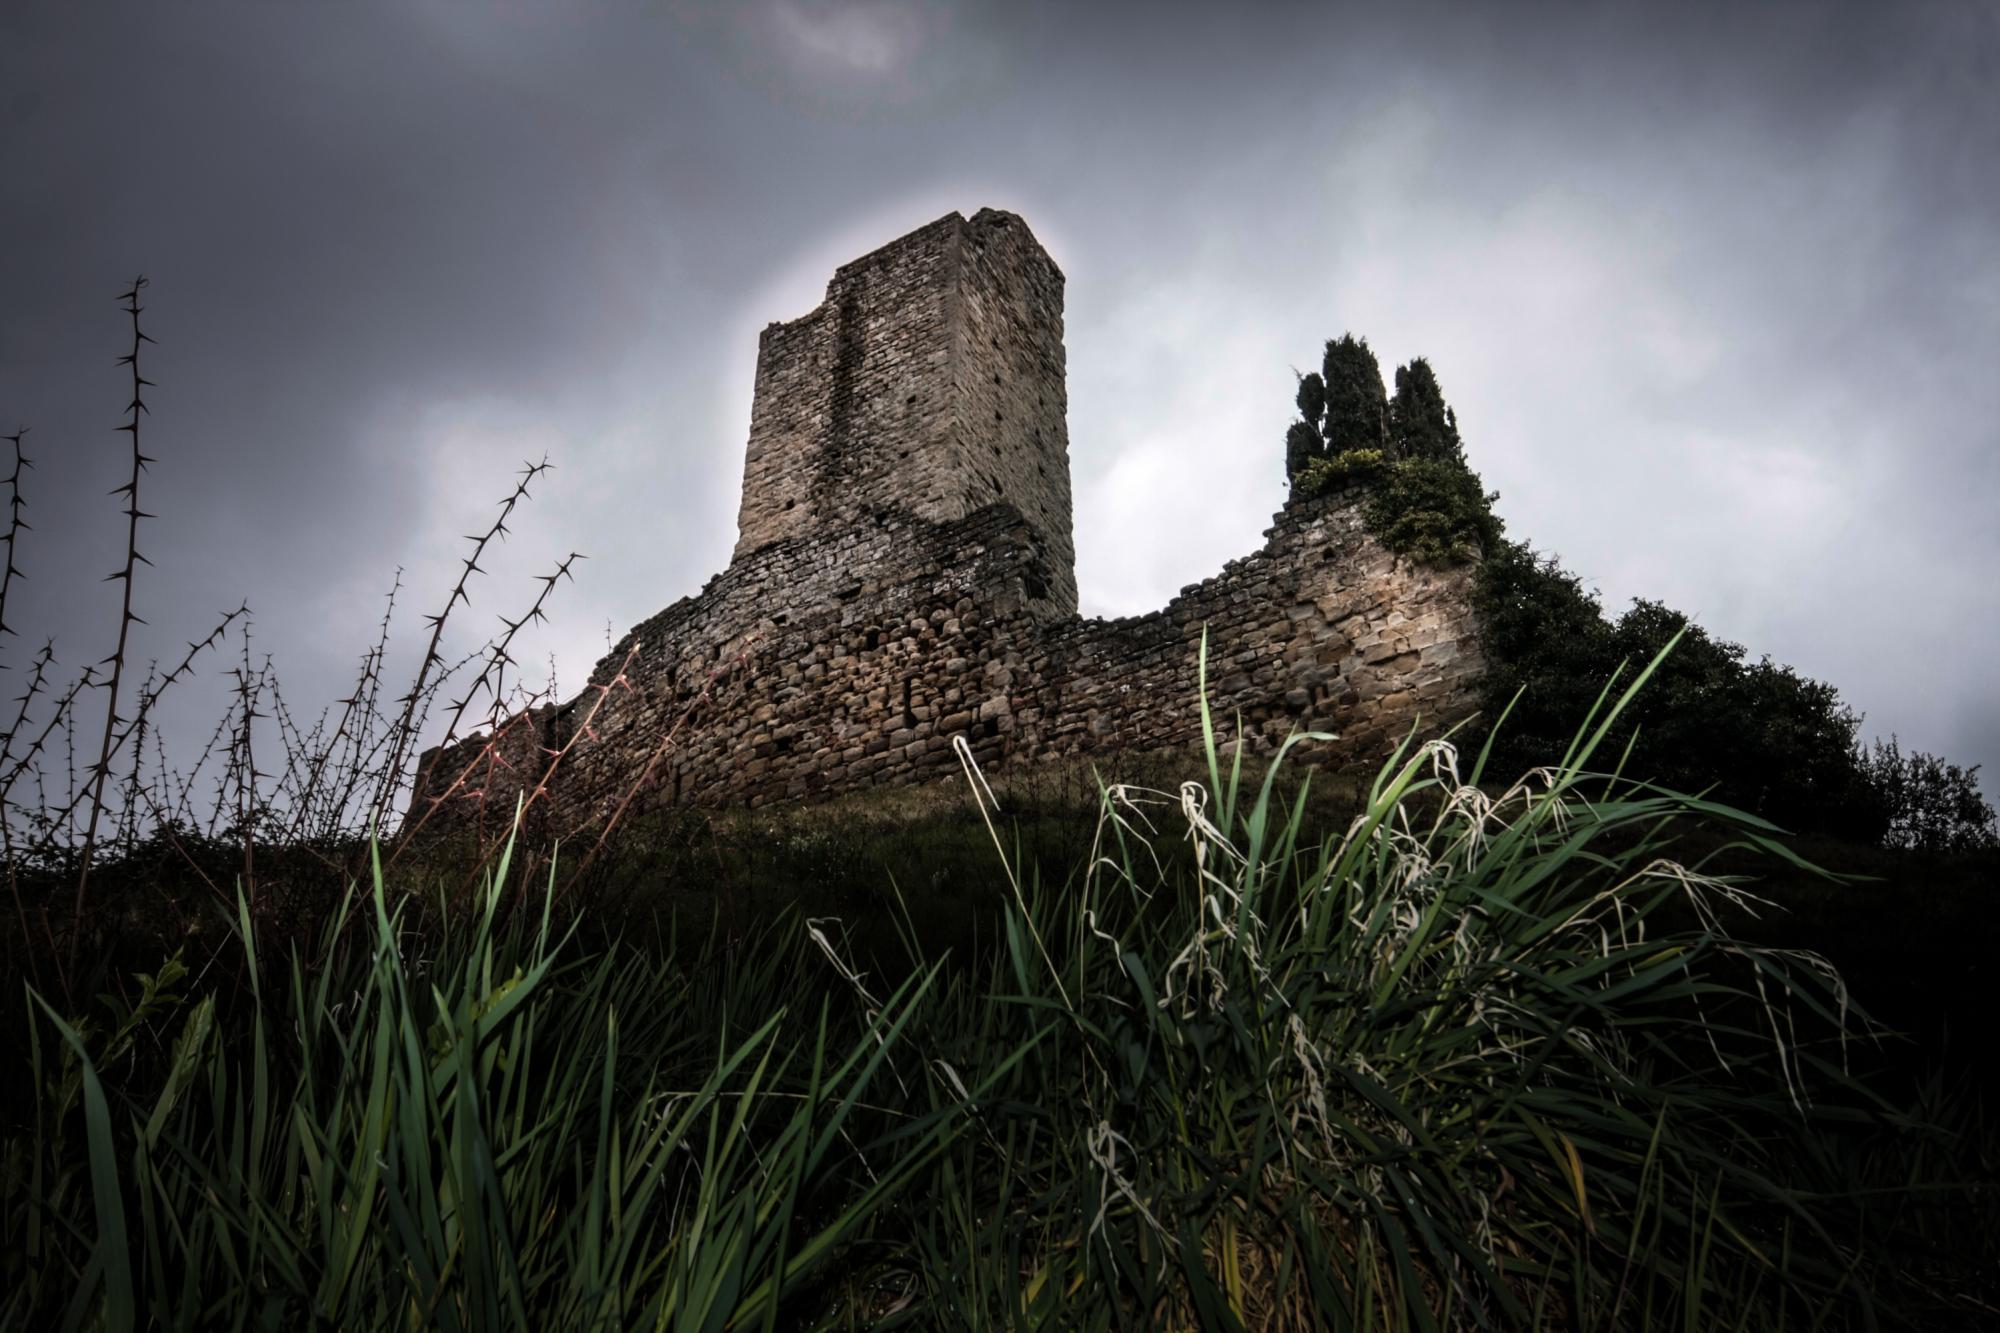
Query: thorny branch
[[405, 728], [137, 410], [15, 523], [489, 678]]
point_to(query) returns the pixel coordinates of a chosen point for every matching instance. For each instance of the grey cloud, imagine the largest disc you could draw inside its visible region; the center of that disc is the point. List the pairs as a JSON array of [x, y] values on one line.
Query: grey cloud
[[1715, 288]]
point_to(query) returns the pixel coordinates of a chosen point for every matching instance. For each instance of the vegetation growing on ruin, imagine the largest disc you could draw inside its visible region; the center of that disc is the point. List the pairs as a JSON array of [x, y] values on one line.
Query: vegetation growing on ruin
[[1323, 476], [1423, 500], [1756, 732]]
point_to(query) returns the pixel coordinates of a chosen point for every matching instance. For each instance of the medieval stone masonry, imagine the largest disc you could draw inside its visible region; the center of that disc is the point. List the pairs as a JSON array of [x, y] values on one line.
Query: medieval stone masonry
[[905, 574]]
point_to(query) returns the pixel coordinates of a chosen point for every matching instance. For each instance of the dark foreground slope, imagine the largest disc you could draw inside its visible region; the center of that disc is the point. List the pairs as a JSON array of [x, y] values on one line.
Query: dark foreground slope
[[1416, 1051]]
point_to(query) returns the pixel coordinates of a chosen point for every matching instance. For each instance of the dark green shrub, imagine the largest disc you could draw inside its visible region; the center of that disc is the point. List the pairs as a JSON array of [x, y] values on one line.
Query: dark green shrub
[[1928, 805], [1546, 640], [1759, 734], [1766, 738]]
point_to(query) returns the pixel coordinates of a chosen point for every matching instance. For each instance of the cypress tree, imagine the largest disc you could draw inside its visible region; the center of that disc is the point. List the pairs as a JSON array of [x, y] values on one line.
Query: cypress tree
[[1312, 399], [1303, 442], [1302, 446], [1420, 424], [1357, 408]]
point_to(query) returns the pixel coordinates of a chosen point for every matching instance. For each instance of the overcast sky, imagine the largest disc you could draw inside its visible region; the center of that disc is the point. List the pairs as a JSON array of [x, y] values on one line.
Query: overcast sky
[[1715, 291]]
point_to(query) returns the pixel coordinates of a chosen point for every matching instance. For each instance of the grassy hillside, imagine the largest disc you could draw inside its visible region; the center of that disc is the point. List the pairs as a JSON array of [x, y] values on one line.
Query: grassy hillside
[[1225, 1050]]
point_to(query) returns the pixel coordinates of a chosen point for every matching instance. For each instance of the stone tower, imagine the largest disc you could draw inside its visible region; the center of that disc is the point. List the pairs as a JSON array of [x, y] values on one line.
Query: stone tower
[[928, 384]]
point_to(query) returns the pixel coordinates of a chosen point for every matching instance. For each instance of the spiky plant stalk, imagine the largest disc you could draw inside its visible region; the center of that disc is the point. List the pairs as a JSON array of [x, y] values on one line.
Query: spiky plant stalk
[[101, 770], [498, 658], [149, 696], [358, 713], [243, 765], [35, 685], [15, 524], [403, 735]]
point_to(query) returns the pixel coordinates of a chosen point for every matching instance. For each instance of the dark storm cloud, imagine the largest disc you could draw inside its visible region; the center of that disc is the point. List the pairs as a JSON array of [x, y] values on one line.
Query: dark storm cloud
[[1715, 289]]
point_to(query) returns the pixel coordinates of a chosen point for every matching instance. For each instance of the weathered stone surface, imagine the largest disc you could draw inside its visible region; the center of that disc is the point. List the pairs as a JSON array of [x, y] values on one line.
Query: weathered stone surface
[[905, 575], [930, 383]]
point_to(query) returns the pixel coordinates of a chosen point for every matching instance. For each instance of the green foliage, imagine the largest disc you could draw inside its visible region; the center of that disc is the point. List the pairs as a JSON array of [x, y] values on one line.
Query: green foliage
[[1928, 805], [1769, 739], [1323, 476], [1421, 425], [480, 1133], [1433, 510], [1547, 646], [1434, 1072], [1757, 733]]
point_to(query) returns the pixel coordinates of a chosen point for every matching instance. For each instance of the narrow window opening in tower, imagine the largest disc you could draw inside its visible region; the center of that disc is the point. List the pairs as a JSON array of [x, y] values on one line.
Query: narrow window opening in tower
[[909, 717]]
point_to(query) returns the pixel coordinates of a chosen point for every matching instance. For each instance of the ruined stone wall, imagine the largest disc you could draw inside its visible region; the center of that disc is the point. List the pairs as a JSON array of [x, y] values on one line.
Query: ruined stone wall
[[905, 575], [1322, 629], [737, 695]]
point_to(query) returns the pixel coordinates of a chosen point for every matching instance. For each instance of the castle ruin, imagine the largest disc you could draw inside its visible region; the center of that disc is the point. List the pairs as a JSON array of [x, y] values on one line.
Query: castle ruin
[[904, 574]]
